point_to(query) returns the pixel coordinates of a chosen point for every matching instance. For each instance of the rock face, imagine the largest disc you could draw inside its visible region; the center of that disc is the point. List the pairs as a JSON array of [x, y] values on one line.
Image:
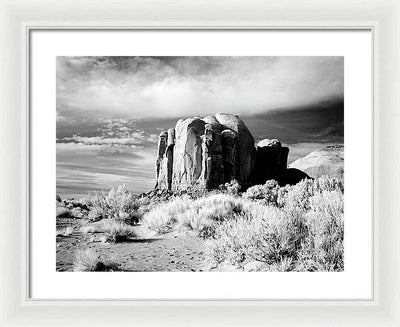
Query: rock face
[[213, 164], [203, 153], [188, 153], [229, 140], [160, 171], [326, 161], [245, 152], [271, 161]]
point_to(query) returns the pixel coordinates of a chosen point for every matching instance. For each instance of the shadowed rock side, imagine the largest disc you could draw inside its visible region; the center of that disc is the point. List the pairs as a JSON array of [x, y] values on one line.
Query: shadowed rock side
[[326, 161], [245, 152], [271, 161], [213, 164], [203, 153]]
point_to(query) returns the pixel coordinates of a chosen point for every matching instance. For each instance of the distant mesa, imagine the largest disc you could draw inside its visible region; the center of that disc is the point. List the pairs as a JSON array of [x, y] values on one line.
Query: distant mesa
[[326, 161], [205, 152]]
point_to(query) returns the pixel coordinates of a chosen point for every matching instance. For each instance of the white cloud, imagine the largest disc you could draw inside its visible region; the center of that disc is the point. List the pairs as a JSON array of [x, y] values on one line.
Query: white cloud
[[133, 141], [88, 148], [181, 86]]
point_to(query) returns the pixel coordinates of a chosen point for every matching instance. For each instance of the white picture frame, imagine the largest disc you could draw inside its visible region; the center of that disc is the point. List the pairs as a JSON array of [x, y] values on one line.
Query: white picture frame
[[19, 18]]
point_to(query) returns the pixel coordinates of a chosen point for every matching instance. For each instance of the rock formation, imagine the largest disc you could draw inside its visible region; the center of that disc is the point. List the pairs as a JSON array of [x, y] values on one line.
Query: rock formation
[[271, 161], [229, 140], [203, 153], [245, 152], [187, 166], [212, 165]]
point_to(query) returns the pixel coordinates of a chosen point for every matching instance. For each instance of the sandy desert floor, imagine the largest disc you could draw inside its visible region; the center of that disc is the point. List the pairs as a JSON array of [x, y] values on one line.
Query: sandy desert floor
[[170, 252]]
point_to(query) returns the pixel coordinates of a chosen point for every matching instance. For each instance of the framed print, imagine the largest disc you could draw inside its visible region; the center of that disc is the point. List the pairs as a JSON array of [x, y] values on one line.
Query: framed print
[[243, 165], [151, 177]]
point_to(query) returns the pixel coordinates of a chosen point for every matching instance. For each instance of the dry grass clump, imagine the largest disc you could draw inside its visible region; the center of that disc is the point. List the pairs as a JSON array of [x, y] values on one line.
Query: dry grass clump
[[88, 260], [118, 232], [115, 231], [199, 215], [163, 217]]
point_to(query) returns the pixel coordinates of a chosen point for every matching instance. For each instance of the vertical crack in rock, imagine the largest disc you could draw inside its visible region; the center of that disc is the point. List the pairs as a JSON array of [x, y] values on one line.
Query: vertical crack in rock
[[169, 154]]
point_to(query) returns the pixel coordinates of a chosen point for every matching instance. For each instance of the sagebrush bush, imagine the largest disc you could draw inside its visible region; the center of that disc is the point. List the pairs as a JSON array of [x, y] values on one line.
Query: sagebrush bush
[[117, 231], [267, 193], [261, 234], [119, 203], [268, 227], [323, 249], [303, 232], [163, 217], [199, 215], [88, 260]]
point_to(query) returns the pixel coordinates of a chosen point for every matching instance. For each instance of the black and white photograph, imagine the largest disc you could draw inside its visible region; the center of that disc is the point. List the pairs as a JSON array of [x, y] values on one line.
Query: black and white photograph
[[200, 164]]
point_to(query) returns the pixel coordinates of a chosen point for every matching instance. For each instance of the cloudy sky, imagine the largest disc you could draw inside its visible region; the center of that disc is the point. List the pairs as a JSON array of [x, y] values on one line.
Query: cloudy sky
[[110, 110]]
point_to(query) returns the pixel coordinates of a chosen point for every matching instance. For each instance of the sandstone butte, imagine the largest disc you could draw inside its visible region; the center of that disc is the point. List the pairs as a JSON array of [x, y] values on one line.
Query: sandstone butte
[[203, 153]]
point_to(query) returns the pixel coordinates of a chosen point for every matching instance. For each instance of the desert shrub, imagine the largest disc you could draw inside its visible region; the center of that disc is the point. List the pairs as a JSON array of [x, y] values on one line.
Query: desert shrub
[[278, 243], [96, 213], [62, 212], [296, 197], [119, 203], [115, 231], [233, 187], [263, 234], [267, 193], [204, 214], [328, 183], [163, 217], [199, 215], [143, 201], [88, 260], [118, 232], [303, 231], [323, 248]]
